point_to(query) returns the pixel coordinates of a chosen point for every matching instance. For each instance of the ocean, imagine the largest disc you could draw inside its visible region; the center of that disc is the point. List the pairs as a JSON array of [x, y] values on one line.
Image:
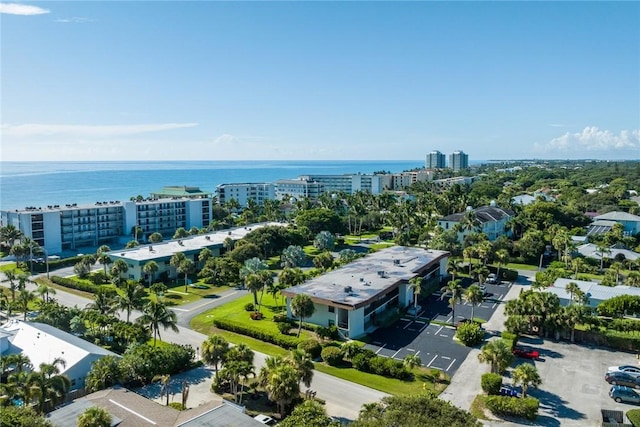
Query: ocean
[[40, 184]]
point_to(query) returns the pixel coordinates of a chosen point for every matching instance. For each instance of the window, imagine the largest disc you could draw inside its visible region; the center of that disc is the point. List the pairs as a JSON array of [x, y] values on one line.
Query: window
[[332, 309]]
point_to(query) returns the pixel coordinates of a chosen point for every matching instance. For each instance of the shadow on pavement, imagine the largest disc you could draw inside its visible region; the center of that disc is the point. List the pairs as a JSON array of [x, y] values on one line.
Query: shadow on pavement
[[191, 377], [554, 405]]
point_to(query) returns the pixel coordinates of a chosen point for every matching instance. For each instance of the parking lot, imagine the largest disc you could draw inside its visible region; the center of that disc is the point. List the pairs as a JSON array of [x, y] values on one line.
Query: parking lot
[[573, 388], [433, 342]]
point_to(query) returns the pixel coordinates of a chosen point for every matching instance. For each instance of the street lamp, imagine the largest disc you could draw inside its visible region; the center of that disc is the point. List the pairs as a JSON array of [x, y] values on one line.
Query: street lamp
[[46, 260]]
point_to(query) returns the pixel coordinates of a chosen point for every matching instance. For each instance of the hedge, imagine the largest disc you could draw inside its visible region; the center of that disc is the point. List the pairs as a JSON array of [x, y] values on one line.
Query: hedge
[[491, 383], [311, 347], [634, 417], [41, 267], [75, 284], [514, 406], [284, 341], [470, 334], [368, 361], [332, 356]]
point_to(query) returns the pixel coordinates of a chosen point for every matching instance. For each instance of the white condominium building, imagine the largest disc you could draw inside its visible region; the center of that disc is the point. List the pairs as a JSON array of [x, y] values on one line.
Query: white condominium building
[[242, 193]]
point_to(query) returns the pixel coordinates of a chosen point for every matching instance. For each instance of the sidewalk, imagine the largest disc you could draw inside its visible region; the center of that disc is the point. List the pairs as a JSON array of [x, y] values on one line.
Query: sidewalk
[[465, 384]]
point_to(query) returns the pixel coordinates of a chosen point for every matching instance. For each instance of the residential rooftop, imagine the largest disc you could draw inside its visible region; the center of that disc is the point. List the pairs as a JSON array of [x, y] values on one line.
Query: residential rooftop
[[356, 283], [188, 244]]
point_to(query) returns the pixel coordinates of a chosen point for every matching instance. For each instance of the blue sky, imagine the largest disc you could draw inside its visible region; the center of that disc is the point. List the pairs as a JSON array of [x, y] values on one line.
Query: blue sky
[[319, 80]]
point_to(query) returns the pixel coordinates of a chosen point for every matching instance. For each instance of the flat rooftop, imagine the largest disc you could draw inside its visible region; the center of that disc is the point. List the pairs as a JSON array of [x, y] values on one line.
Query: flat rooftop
[[195, 243], [369, 276]]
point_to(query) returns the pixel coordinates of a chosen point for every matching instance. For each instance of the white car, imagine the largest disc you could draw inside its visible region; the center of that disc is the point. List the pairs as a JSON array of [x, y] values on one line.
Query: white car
[[265, 419], [629, 369]]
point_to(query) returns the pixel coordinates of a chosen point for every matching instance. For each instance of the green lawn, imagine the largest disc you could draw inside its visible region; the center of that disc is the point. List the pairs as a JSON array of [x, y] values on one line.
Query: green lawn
[[425, 378], [235, 312], [516, 266], [9, 267]]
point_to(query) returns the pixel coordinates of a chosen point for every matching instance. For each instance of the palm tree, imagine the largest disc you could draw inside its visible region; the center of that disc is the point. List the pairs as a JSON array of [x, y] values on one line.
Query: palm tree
[[303, 364], [497, 354], [411, 361], [617, 266], [104, 301], [95, 416], [12, 278], [155, 237], [633, 279], [130, 297], [48, 384], [415, 284], [44, 291], [281, 384], [156, 315], [474, 296], [186, 267], [150, 269], [24, 298], [119, 268], [502, 256], [527, 376], [604, 250], [302, 307], [214, 350], [468, 253], [454, 289], [572, 288], [577, 264], [176, 260], [253, 284], [164, 384], [102, 257]]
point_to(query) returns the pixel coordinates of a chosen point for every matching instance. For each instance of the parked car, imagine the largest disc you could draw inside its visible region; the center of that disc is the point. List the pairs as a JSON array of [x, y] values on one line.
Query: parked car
[[526, 353], [265, 419], [483, 288], [507, 390], [621, 393], [492, 279], [629, 369], [461, 321], [622, 378]]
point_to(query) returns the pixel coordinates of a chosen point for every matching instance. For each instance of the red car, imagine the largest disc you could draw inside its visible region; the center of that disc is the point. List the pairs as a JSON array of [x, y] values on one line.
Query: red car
[[526, 353]]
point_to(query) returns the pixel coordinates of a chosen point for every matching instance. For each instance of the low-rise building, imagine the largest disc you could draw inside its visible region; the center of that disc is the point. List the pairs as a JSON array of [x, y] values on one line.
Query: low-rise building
[[630, 222], [351, 296], [43, 343], [593, 291], [490, 220], [161, 253]]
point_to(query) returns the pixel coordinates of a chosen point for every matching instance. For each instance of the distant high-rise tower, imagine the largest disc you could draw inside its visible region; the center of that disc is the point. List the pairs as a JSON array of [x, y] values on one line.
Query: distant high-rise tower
[[458, 160], [435, 160]]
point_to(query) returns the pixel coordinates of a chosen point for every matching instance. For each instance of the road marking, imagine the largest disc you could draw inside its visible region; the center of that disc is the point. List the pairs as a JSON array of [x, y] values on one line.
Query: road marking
[[410, 349], [434, 358], [178, 309], [418, 352], [445, 357], [424, 327], [454, 361], [177, 292], [435, 317], [408, 324], [494, 305], [394, 354], [381, 348], [405, 320], [438, 331]]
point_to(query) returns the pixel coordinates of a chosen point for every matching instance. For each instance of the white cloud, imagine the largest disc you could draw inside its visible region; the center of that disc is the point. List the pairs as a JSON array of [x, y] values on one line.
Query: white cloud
[[74, 20], [593, 139], [21, 9], [556, 125], [91, 131]]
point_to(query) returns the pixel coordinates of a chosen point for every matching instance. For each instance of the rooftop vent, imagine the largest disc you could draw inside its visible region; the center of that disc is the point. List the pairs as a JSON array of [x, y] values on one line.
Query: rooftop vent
[[207, 237], [396, 262], [348, 289], [361, 279], [150, 247], [180, 242]]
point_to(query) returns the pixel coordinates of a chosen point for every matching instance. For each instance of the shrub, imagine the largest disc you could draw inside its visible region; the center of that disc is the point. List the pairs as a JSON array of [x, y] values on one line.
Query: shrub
[[249, 307], [311, 347], [491, 383], [361, 362], [509, 336], [284, 341], [330, 332], [74, 284], [470, 334], [282, 317], [509, 275], [256, 315], [332, 355], [634, 417], [283, 327], [177, 405], [514, 406]]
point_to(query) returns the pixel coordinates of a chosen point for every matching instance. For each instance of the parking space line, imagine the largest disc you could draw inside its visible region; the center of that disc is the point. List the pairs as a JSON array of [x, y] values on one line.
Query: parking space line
[[408, 324], [495, 304], [454, 361], [424, 327], [445, 357], [381, 348], [434, 358], [394, 354], [410, 349], [438, 331], [417, 352]]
